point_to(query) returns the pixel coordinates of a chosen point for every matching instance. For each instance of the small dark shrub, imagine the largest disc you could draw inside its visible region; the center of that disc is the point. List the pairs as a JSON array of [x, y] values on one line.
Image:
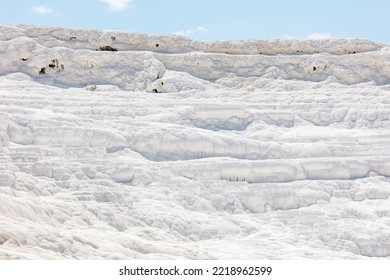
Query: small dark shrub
[[108, 48]]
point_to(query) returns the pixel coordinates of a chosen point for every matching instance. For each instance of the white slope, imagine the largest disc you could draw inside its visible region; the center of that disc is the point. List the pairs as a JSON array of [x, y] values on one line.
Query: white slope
[[174, 63], [278, 155]]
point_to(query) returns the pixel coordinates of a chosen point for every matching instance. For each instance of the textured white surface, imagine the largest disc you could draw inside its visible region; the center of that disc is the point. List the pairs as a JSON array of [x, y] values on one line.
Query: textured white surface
[[279, 155]]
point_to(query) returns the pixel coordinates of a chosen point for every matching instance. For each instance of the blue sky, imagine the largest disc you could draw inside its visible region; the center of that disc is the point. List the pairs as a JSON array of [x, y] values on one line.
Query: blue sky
[[212, 19]]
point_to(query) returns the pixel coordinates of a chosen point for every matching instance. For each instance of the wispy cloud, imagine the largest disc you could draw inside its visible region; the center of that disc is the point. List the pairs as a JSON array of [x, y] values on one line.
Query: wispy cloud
[[117, 5], [42, 10], [319, 36], [288, 37], [311, 36], [189, 32]]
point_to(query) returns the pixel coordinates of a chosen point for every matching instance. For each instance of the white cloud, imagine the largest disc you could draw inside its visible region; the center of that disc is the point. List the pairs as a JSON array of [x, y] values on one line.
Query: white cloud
[[288, 37], [311, 36], [189, 32], [319, 36], [42, 10], [117, 5]]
